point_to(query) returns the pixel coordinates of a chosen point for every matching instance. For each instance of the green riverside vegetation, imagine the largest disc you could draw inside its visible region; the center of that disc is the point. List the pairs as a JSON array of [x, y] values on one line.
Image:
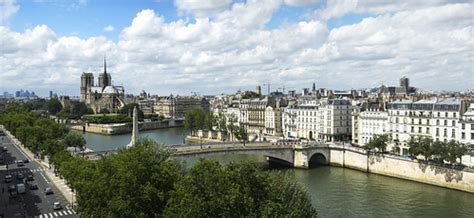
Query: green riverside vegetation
[[146, 181]]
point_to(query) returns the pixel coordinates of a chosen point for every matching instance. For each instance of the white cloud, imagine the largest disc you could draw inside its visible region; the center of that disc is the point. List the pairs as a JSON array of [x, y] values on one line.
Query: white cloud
[[201, 8], [234, 49], [301, 3], [8, 8], [109, 28]]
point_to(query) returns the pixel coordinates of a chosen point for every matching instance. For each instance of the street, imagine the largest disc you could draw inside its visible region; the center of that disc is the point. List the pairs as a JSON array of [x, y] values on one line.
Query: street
[[32, 203]]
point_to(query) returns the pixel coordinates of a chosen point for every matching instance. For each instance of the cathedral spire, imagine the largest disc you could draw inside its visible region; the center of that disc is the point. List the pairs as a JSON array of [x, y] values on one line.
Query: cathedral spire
[[105, 64]]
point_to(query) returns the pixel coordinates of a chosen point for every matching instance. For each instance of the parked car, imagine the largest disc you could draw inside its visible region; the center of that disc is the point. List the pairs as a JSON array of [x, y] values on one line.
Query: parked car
[[8, 178], [20, 163], [30, 177], [26, 160], [4, 148], [11, 188], [48, 191], [33, 187], [20, 188], [20, 176], [57, 206]]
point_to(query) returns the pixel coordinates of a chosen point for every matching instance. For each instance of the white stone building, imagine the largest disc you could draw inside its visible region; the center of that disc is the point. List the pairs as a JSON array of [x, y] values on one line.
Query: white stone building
[[466, 126], [433, 118], [371, 122]]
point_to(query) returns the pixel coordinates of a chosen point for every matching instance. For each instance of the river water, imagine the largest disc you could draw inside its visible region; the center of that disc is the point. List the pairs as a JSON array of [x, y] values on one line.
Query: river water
[[338, 192]]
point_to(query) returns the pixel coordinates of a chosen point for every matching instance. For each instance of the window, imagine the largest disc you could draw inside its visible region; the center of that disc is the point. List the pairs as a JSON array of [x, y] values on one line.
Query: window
[[453, 133], [472, 127], [419, 121], [427, 122], [454, 123], [454, 114], [472, 136], [427, 130], [412, 121], [446, 114], [463, 126], [439, 114], [412, 129], [445, 122], [437, 122], [463, 135], [419, 129], [445, 132]]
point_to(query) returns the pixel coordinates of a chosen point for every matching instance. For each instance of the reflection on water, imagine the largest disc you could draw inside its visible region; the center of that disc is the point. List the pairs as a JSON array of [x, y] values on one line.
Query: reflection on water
[[166, 136]]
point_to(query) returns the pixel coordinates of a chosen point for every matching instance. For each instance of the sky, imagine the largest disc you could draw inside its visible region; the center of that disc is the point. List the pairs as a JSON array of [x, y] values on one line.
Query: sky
[[220, 46]]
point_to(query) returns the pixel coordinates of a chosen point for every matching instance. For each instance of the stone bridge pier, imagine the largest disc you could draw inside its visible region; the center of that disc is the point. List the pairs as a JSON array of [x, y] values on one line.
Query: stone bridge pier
[[308, 157]]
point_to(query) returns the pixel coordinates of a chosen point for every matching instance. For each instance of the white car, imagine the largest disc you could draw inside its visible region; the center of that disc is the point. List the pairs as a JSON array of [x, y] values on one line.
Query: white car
[[57, 206]]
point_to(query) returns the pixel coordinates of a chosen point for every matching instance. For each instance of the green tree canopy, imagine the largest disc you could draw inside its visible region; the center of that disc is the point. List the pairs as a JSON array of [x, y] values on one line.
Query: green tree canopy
[[136, 182], [194, 119], [421, 146], [74, 139], [378, 142], [237, 190], [54, 106], [128, 109]]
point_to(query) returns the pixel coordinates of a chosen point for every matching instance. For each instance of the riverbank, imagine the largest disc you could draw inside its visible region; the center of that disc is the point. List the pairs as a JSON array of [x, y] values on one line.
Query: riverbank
[[403, 168], [123, 128]]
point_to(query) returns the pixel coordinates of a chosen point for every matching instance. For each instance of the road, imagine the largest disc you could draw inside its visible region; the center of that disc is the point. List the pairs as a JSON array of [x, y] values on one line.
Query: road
[[34, 203]]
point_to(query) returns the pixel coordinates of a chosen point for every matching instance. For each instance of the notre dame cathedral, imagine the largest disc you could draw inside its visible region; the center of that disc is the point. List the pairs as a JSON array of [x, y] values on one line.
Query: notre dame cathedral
[[104, 95]]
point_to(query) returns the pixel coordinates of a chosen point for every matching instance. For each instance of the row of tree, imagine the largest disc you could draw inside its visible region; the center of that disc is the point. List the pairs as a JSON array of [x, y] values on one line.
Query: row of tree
[[39, 134], [438, 151], [198, 119]]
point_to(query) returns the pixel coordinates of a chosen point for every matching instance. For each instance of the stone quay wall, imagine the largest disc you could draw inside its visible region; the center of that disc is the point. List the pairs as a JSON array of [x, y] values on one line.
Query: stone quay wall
[[402, 167]]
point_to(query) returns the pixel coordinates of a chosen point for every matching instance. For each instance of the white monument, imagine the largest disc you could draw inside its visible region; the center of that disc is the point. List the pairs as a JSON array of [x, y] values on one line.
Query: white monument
[[135, 129]]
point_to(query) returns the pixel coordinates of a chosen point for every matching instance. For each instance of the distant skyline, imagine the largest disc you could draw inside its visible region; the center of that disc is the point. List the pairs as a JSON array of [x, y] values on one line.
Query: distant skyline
[[220, 46]]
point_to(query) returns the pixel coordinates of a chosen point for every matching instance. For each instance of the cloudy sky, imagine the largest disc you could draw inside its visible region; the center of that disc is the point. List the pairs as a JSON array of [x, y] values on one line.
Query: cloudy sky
[[216, 46]]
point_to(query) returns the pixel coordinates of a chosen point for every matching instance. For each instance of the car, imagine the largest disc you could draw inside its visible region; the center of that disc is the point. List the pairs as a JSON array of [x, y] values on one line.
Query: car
[[20, 188], [2, 161], [26, 160], [30, 177], [11, 188], [48, 191], [57, 206], [8, 178], [20, 163], [4, 148], [33, 187], [20, 176]]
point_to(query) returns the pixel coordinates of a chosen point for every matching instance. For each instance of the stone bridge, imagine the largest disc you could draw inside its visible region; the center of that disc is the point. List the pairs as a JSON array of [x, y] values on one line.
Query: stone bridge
[[300, 156]]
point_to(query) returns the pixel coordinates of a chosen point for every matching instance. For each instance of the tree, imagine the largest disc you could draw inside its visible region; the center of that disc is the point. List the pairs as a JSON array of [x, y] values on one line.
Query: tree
[[455, 150], [104, 111], [136, 182], [54, 106], [237, 190], [209, 120], [421, 146], [378, 142], [74, 139], [194, 119], [128, 109], [242, 134]]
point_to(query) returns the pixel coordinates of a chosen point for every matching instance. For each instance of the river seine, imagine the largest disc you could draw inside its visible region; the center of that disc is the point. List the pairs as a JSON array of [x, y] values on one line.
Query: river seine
[[338, 192]]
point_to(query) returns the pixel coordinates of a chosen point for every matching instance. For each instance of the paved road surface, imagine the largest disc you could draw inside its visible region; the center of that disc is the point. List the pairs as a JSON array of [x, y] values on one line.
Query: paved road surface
[[34, 203]]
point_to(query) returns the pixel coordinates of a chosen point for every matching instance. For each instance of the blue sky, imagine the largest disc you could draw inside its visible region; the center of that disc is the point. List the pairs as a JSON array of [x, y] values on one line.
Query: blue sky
[[220, 46], [86, 18]]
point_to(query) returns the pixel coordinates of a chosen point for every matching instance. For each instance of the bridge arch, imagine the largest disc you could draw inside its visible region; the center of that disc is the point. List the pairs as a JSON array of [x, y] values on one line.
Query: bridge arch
[[318, 159]]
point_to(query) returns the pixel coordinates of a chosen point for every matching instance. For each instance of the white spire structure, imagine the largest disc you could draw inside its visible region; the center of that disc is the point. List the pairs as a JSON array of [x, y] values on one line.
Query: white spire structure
[[135, 129]]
